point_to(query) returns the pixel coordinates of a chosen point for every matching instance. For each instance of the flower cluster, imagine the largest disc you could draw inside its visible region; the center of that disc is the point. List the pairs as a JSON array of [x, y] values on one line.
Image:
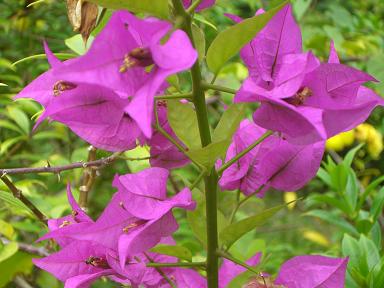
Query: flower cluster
[[304, 100], [107, 98], [110, 90], [138, 217]]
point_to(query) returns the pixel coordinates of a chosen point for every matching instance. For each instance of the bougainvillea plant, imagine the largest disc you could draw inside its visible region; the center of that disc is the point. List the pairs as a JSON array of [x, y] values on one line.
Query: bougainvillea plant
[[118, 96]]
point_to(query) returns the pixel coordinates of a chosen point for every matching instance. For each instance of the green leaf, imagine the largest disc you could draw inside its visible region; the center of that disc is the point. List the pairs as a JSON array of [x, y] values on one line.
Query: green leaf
[[330, 200], [235, 231], [20, 118], [8, 250], [377, 205], [157, 8], [368, 190], [77, 45], [202, 19], [183, 120], [9, 125], [61, 56], [208, 155], [19, 263], [229, 122], [333, 219], [12, 201], [352, 191], [351, 155], [370, 250], [229, 42], [176, 251], [6, 229], [350, 248], [9, 143], [199, 38]]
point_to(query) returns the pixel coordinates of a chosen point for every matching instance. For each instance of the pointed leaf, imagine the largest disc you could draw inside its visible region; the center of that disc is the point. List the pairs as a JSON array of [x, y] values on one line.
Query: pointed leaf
[[229, 123], [176, 251]]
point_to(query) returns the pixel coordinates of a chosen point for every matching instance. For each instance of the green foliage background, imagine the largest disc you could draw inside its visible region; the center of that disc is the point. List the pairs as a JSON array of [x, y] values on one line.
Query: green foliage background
[[357, 27]]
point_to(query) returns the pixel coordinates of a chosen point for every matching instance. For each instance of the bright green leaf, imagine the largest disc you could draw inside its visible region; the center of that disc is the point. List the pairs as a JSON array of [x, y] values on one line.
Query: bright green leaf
[[20, 118], [236, 230], [183, 120], [6, 229], [208, 155], [229, 42], [199, 38], [229, 123], [8, 251], [77, 45], [176, 251], [157, 8]]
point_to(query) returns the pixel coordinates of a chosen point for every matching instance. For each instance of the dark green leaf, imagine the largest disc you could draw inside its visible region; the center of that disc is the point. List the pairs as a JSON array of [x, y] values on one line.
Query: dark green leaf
[[19, 263], [229, 123]]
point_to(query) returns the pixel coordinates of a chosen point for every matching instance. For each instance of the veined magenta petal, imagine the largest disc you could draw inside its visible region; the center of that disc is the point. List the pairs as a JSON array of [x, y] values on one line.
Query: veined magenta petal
[[52, 59], [313, 271], [146, 237], [85, 280], [336, 121]]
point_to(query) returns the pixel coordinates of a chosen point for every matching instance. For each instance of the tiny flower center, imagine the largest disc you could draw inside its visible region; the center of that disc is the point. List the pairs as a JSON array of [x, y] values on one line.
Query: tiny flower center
[[138, 57], [61, 86], [97, 262], [133, 225], [65, 223], [299, 98]]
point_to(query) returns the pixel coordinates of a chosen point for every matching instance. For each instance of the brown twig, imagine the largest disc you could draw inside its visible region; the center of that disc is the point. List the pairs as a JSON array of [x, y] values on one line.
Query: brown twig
[[88, 179], [57, 169], [19, 195], [40, 251]]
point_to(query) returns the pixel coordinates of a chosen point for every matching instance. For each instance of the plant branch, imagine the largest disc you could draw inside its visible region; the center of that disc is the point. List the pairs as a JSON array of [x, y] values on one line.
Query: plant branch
[[208, 86], [193, 6], [178, 264], [161, 272], [89, 175], [57, 169], [175, 96], [198, 179], [211, 180], [237, 261], [40, 251], [19, 195], [243, 153]]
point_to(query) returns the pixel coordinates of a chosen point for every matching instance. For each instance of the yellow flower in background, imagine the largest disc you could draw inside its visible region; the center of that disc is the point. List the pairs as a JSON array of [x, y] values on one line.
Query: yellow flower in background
[[316, 237], [290, 197], [340, 141], [366, 133]]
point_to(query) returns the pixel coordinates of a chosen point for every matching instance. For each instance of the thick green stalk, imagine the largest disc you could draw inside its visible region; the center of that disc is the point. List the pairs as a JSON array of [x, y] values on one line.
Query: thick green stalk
[[211, 181]]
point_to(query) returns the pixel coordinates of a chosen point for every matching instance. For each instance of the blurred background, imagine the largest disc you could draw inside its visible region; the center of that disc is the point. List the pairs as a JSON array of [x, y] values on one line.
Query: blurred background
[[316, 224]]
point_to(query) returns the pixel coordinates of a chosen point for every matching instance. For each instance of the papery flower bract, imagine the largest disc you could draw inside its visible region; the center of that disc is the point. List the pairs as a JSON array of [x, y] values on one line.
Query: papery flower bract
[[203, 5], [273, 163], [306, 100], [313, 271], [163, 153], [95, 113], [77, 264], [119, 56]]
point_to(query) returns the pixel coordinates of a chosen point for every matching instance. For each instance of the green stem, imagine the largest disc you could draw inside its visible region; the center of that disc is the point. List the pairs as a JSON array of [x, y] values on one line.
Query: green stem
[[178, 264], [176, 96], [208, 86], [198, 179], [211, 179], [237, 261], [243, 153], [161, 272], [193, 6], [241, 202]]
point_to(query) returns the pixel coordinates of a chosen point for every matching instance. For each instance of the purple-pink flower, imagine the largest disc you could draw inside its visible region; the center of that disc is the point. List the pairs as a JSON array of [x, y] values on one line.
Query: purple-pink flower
[[274, 163], [138, 217], [307, 101], [106, 96]]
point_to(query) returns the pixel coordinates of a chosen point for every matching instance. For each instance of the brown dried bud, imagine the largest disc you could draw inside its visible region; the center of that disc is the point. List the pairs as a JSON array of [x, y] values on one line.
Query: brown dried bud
[[82, 16]]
